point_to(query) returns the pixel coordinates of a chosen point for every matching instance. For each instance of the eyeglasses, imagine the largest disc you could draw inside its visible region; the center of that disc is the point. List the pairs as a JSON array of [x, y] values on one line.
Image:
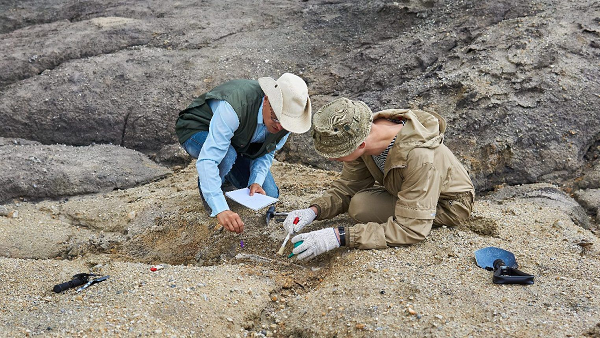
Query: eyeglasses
[[274, 118]]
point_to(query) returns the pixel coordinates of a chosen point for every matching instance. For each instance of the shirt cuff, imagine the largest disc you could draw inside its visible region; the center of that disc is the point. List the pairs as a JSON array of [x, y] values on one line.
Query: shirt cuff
[[259, 179], [350, 237], [219, 205]]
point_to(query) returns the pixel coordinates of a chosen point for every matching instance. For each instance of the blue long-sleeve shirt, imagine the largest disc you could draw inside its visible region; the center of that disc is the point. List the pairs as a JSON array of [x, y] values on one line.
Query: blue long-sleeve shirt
[[218, 155]]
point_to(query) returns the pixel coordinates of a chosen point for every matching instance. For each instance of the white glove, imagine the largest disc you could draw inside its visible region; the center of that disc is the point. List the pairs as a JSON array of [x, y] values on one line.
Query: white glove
[[315, 243], [305, 217]]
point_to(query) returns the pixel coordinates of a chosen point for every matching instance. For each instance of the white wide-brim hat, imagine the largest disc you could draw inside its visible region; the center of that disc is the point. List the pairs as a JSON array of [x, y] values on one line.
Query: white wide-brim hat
[[289, 98]]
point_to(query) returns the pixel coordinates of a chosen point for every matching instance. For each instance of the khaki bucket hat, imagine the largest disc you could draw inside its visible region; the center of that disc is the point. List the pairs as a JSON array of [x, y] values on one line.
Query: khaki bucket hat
[[288, 96], [340, 127]]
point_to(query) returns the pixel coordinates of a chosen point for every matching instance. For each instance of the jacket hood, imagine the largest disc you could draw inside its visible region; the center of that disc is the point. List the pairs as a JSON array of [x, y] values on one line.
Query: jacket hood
[[421, 130]]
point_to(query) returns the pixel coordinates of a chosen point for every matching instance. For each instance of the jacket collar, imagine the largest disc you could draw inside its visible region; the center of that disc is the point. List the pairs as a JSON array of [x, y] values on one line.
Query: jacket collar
[[421, 130]]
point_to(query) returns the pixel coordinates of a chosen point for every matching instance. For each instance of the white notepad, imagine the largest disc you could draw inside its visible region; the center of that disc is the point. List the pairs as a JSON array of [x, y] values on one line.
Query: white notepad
[[256, 202]]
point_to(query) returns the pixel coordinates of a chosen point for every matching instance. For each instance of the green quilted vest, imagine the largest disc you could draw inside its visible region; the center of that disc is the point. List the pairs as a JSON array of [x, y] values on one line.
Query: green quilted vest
[[245, 96]]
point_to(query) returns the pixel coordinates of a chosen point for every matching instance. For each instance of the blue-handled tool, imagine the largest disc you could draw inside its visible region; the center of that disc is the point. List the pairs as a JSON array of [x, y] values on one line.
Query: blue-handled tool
[[504, 265]]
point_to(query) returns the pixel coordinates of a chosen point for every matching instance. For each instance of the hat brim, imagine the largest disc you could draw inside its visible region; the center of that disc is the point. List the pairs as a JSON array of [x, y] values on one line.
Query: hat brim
[[340, 152], [270, 88], [295, 125]]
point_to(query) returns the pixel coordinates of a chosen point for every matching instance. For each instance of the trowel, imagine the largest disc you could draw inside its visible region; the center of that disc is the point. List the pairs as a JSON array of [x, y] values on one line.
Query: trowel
[[504, 265]]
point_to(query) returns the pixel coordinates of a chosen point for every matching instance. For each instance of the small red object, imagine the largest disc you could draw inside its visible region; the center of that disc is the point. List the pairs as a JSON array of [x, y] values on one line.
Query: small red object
[[296, 220], [156, 268]]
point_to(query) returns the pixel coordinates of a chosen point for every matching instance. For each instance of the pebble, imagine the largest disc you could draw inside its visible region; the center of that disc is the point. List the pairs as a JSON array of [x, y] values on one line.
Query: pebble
[[131, 215], [4, 211], [288, 283]]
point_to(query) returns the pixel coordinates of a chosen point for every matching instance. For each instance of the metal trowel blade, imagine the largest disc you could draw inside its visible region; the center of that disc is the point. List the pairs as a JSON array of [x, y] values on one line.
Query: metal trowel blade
[[485, 257]]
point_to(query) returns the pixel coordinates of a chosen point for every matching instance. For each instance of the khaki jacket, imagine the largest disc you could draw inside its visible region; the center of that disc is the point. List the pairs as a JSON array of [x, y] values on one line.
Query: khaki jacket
[[419, 170]]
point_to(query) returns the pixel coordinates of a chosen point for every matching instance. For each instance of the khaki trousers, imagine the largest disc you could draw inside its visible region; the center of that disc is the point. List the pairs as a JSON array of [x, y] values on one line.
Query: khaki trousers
[[377, 205]]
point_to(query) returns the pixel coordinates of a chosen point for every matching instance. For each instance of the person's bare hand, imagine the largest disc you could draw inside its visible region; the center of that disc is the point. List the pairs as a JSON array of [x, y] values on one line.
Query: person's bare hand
[[255, 187], [231, 221]]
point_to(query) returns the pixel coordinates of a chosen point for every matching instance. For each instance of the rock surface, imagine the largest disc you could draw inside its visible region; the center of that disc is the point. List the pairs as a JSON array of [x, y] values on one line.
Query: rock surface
[[90, 91], [590, 199], [212, 286], [52, 171], [517, 81]]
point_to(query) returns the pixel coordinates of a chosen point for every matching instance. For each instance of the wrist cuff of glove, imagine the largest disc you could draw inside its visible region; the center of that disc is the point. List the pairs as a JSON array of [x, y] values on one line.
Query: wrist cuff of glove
[[318, 210], [342, 233], [312, 213]]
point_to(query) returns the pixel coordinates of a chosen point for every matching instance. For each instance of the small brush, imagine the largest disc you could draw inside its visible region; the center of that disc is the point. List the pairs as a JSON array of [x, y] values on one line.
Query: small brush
[[287, 238]]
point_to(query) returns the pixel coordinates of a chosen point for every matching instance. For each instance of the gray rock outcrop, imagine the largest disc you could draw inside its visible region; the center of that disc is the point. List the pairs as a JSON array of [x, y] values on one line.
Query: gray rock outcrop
[[517, 81], [547, 195], [45, 171]]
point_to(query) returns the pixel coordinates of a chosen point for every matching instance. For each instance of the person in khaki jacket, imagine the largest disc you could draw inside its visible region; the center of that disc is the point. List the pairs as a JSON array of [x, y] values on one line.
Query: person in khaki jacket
[[398, 180]]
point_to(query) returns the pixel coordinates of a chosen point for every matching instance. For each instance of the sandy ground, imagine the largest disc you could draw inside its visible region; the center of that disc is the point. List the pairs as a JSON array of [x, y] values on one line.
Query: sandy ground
[[221, 289]]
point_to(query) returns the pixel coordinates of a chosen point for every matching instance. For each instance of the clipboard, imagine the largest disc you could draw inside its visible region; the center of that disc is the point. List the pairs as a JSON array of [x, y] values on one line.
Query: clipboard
[[256, 202]]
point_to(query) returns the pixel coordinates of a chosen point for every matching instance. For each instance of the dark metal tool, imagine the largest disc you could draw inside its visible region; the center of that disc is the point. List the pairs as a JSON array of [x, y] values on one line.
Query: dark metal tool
[[78, 279], [504, 265], [272, 213], [93, 281]]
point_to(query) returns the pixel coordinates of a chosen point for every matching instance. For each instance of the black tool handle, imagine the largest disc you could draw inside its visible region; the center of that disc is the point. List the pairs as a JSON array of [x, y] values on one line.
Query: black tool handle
[[70, 284], [506, 275]]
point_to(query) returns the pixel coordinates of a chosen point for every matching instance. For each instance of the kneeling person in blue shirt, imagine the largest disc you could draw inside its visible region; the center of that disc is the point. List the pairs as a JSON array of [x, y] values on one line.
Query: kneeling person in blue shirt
[[234, 130]]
